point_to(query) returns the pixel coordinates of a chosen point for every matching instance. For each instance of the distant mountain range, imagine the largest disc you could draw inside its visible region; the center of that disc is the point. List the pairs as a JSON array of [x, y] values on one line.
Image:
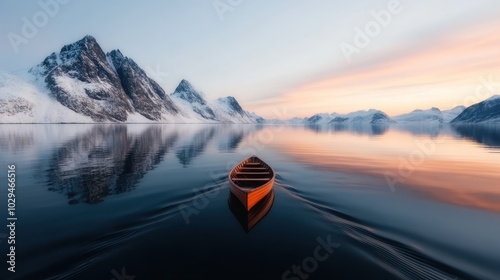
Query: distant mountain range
[[487, 111], [433, 115], [360, 117], [82, 84]]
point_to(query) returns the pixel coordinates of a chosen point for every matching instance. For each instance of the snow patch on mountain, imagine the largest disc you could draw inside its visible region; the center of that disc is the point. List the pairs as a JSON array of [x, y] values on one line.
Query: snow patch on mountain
[[228, 110], [292, 121], [192, 101], [83, 84], [24, 100], [80, 88], [256, 118], [487, 111], [321, 118], [371, 116], [449, 115], [430, 116], [494, 97], [146, 96]]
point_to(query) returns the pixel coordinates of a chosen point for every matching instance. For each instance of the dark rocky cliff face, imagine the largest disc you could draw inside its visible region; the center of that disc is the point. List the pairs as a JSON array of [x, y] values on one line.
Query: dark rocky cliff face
[[148, 98], [111, 87], [186, 92], [314, 119], [380, 117], [233, 105], [83, 67], [486, 111], [83, 79]]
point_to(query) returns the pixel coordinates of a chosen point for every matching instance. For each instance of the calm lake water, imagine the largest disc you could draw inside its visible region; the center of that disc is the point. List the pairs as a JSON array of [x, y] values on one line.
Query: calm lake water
[[152, 201]]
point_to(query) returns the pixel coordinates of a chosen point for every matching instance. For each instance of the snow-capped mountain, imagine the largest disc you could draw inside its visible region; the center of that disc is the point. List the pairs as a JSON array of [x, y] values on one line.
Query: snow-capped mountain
[[256, 118], [321, 118], [227, 109], [449, 115], [186, 96], [487, 111], [294, 121], [84, 84], [371, 116], [147, 97], [81, 83], [431, 116], [24, 100], [88, 81]]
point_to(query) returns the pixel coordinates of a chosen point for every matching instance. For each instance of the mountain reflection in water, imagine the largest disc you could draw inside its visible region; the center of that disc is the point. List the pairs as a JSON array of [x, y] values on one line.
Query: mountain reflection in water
[[404, 202]]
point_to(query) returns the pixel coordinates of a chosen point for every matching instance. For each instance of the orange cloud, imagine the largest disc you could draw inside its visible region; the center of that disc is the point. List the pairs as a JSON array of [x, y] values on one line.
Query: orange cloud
[[442, 73]]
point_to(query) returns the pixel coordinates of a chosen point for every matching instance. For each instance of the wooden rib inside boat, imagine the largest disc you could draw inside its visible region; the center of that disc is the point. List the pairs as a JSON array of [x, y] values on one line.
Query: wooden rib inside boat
[[248, 219], [251, 180]]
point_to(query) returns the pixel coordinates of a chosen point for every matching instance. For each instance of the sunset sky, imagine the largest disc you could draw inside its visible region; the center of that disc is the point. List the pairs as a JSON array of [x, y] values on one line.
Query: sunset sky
[[285, 56]]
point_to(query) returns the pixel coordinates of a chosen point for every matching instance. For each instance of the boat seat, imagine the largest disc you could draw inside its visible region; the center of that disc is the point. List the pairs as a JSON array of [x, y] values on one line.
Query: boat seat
[[254, 168], [251, 173], [253, 163], [250, 179]]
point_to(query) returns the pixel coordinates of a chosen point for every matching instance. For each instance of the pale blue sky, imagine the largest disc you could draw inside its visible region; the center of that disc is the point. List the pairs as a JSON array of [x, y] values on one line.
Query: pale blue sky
[[259, 52]]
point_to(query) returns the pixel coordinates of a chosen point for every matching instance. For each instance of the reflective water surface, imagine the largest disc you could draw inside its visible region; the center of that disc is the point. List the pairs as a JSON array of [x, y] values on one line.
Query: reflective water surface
[[355, 202]]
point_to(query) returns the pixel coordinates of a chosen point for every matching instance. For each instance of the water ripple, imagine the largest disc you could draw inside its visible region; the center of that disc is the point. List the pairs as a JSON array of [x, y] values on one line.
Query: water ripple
[[395, 257], [99, 249]]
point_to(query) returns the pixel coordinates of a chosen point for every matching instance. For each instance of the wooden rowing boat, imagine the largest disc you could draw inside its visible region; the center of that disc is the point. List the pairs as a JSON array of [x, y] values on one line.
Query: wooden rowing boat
[[251, 180], [248, 219]]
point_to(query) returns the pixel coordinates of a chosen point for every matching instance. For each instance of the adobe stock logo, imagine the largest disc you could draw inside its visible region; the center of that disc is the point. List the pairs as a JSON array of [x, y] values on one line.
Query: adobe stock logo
[[310, 264], [121, 276], [222, 7], [30, 27]]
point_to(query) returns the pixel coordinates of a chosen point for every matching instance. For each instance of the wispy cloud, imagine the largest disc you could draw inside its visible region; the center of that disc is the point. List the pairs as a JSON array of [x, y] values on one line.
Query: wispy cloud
[[437, 72]]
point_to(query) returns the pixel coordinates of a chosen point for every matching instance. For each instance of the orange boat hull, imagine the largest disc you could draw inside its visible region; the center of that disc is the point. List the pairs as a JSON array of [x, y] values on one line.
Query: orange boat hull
[[261, 181]]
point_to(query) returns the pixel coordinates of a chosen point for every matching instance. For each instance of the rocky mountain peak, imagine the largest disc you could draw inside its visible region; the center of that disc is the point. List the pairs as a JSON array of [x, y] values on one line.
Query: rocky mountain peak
[[87, 46], [482, 112], [147, 97], [379, 116], [116, 57], [49, 63], [494, 97], [232, 104], [111, 87], [187, 92], [185, 85]]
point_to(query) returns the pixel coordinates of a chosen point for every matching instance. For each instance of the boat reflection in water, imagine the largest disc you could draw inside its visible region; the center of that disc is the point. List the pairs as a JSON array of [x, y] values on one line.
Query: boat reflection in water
[[248, 219]]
